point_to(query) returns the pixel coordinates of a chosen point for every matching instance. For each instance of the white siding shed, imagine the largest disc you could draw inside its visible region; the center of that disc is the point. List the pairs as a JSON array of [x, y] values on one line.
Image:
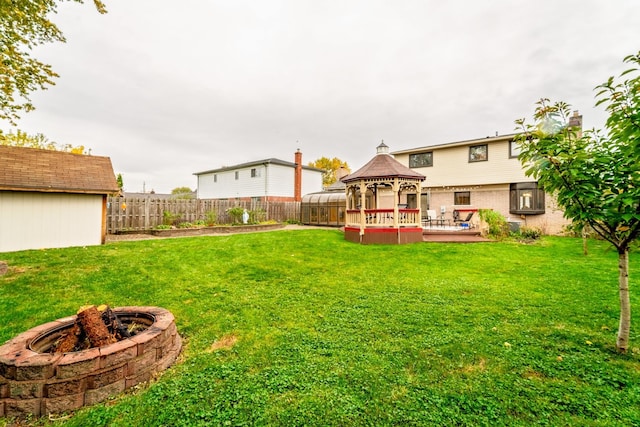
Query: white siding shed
[[52, 199]]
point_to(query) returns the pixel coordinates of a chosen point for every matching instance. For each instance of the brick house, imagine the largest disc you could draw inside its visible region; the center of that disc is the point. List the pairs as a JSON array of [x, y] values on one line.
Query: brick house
[[52, 199], [483, 173]]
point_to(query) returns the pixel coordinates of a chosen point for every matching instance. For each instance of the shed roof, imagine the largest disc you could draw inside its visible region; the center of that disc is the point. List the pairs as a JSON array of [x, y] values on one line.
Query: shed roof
[[383, 165], [32, 169]]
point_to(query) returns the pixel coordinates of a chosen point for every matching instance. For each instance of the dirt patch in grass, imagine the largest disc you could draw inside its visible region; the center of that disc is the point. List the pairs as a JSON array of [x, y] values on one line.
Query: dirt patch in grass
[[225, 343]]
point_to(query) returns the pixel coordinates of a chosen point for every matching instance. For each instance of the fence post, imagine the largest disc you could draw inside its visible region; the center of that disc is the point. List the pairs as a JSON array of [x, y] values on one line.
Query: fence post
[[146, 213]]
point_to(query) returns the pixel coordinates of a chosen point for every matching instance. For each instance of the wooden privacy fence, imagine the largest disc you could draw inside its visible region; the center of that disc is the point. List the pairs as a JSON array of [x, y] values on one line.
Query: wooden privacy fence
[[129, 213]]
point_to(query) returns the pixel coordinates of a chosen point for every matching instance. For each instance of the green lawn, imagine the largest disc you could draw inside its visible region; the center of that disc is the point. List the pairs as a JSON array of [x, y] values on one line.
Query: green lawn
[[319, 331]]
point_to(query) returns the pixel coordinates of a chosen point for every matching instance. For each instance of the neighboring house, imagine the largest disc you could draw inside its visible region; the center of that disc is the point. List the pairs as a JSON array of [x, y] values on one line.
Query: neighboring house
[[270, 180], [482, 174], [52, 199]]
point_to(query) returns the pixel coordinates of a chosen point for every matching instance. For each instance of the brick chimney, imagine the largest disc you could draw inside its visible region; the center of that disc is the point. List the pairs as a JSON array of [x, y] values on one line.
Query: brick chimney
[[297, 187], [575, 122]]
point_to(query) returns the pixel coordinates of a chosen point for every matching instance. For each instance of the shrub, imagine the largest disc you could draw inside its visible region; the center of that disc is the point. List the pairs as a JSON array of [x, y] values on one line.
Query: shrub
[[498, 226], [236, 214], [211, 218], [185, 225], [257, 216], [169, 218], [532, 233]]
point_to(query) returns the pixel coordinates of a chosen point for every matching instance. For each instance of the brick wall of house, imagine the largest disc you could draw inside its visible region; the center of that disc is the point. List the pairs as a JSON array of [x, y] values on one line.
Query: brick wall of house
[[496, 197]]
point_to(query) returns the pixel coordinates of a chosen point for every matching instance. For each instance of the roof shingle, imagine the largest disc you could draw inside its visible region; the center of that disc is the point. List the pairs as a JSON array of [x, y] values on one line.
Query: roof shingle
[[32, 169]]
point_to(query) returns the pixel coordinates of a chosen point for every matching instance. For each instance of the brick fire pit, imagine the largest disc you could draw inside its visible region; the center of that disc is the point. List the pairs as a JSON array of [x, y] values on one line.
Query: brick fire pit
[[33, 381]]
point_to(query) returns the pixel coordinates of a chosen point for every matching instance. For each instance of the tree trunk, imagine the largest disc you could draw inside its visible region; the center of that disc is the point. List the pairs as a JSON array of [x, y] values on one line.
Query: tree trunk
[[622, 342], [585, 248]]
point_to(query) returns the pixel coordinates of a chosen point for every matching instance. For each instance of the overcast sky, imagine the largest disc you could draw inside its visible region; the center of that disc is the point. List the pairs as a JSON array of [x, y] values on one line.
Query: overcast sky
[[170, 88]]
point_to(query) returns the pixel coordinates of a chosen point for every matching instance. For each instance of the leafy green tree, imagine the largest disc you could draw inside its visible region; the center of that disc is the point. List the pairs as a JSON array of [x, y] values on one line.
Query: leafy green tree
[[23, 26], [330, 167], [182, 193], [120, 182], [595, 176], [23, 139]]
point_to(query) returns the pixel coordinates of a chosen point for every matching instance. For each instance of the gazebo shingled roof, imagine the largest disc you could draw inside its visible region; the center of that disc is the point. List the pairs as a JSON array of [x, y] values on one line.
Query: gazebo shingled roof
[[383, 165]]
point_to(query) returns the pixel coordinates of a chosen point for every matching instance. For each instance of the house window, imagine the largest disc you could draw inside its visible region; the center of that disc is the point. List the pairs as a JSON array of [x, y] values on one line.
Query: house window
[[215, 177], [412, 201], [421, 160], [526, 198], [462, 198], [237, 175], [478, 153], [255, 173], [514, 149]]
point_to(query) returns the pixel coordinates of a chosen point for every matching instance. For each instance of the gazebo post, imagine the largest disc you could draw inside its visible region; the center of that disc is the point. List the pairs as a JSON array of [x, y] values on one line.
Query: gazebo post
[[363, 199]]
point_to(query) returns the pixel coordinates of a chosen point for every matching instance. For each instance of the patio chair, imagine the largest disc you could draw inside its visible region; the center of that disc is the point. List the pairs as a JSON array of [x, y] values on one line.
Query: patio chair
[[431, 216], [462, 222]]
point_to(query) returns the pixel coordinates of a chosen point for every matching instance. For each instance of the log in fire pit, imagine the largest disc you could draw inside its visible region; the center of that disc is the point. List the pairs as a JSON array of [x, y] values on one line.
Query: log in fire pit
[[35, 379]]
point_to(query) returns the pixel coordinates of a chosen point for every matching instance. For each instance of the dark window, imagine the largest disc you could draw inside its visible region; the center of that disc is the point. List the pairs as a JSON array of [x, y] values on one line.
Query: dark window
[[421, 160], [215, 177], [462, 198], [412, 201], [255, 173], [237, 175], [514, 149], [478, 153], [526, 198]]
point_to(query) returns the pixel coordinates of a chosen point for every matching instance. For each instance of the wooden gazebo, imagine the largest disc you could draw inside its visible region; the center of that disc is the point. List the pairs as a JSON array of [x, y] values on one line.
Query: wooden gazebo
[[377, 209]]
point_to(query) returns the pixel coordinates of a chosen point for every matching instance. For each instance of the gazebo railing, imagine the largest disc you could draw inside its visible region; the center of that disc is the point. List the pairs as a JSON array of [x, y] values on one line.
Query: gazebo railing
[[383, 217]]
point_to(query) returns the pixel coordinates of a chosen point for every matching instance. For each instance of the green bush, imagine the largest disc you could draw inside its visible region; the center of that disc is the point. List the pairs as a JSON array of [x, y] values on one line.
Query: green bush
[[185, 225], [169, 218], [530, 232], [257, 216], [498, 226], [236, 214], [211, 218]]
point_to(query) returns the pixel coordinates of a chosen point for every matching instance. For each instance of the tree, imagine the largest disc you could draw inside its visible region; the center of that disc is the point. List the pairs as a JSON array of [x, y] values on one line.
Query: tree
[[23, 139], [23, 26], [182, 193], [330, 167], [120, 182], [595, 176]]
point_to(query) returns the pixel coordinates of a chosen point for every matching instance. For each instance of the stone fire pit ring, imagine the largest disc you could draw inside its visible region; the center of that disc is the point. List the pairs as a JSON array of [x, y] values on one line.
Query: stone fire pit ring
[[39, 383]]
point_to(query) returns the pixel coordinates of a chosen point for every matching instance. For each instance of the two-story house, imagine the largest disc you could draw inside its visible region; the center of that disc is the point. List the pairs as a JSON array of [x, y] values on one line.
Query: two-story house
[[269, 180], [477, 174]]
